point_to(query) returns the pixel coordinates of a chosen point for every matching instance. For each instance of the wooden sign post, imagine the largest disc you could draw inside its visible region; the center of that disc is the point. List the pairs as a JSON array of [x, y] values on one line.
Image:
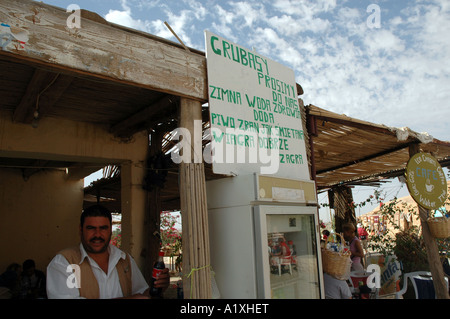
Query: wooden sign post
[[431, 246]]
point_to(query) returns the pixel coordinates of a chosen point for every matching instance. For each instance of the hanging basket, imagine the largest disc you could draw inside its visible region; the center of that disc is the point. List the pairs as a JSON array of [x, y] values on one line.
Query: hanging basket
[[336, 263], [439, 226]]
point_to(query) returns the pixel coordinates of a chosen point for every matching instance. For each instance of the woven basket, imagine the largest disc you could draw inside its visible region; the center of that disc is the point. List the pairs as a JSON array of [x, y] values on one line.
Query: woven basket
[[336, 264], [439, 226]]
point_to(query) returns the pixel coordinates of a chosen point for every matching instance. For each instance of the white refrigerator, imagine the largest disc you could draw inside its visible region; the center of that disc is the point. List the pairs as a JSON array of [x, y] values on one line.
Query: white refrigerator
[[264, 238]]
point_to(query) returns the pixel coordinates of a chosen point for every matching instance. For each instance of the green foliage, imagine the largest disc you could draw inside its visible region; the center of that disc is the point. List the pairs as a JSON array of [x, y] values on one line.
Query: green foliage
[[408, 245], [385, 242], [411, 251]]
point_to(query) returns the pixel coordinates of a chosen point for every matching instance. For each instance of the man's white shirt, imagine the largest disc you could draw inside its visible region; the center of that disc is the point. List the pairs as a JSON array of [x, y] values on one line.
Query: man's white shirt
[[109, 285]]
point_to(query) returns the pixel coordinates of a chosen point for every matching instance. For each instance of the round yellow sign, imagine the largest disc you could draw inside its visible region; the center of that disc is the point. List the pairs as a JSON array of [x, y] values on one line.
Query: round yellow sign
[[426, 181]]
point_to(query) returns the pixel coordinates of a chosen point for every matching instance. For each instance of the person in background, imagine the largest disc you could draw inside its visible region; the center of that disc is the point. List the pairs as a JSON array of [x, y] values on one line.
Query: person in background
[[32, 281], [363, 235], [357, 252], [323, 240], [285, 250], [10, 282], [335, 288], [104, 270]]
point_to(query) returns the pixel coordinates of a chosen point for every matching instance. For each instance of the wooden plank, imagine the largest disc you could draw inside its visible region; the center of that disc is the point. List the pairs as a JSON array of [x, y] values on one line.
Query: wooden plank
[[30, 100], [328, 116], [364, 159], [52, 94], [143, 115], [99, 101], [153, 211], [39, 33]]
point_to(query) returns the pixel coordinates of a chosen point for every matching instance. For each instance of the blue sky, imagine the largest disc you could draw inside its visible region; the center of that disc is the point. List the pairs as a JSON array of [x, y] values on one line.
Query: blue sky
[[395, 73]]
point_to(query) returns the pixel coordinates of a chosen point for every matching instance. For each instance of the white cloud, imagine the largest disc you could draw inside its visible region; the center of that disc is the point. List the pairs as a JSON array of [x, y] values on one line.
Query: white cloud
[[224, 26], [284, 25], [251, 14], [383, 41], [181, 23], [397, 75], [197, 9], [304, 8], [124, 17]]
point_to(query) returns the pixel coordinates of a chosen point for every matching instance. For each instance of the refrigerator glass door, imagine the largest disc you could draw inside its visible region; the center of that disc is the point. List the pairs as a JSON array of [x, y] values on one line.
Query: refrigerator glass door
[[289, 253]]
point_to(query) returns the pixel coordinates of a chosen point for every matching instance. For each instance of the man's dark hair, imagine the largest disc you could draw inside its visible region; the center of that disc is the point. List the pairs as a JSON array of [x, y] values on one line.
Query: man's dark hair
[[95, 211], [28, 264]]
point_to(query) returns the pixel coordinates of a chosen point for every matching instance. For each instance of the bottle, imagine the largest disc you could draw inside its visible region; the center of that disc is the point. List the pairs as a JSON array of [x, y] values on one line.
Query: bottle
[[156, 293], [360, 285], [292, 248]]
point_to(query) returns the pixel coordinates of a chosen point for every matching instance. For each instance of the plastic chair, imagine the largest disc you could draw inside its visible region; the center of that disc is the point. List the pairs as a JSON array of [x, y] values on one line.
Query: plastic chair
[[281, 261], [422, 283], [285, 261]]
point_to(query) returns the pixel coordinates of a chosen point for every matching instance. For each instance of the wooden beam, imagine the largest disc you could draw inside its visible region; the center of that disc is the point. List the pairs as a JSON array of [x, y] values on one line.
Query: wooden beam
[[364, 159], [51, 95], [153, 211], [123, 128], [37, 166], [102, 50], [309, 123], [30, 100], [344, 212], [350, 123]]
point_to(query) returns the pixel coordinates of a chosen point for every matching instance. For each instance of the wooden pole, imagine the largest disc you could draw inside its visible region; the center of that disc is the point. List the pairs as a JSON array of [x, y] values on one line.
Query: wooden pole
[[434, 260], [344, 212], [153, 206], [194, 213]]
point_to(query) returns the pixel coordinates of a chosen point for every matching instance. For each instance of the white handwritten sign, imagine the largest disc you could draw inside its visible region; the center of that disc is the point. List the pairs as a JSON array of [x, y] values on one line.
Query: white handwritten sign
[[256, 124]]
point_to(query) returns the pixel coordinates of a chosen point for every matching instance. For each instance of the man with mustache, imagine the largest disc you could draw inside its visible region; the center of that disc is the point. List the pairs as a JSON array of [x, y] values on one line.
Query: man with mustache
[[101, 270]]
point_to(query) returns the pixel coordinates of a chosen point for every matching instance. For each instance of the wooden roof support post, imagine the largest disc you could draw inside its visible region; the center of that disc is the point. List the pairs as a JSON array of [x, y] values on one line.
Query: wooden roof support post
[[310, 124], [430, 243], [153, 209], [194, 212], [343, 209]]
